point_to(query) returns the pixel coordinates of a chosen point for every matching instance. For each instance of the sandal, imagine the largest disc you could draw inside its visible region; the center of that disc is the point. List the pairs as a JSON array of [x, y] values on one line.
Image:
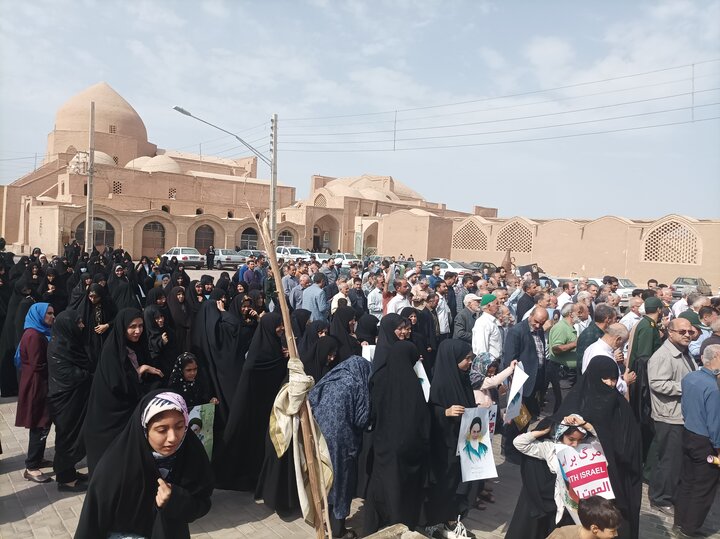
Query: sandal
[[487, 496]]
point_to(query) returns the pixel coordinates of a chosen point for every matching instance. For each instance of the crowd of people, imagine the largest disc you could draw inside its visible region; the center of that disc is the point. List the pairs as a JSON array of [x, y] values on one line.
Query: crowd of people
[[115, 354]]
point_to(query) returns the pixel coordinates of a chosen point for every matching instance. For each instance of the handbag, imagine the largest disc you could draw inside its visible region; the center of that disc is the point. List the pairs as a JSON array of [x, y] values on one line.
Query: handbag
[[523, 418]]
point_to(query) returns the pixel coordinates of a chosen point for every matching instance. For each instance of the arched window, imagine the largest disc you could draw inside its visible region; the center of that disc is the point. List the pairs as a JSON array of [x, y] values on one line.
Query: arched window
[[471, 237], [673, 243], [515, 237], [204, 237], [153, 239], [321, 201], [103, 233], [285, 238], [249, 239]]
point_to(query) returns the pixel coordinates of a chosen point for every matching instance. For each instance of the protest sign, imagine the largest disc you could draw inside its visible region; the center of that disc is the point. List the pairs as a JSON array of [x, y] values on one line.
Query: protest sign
[[492, 419], [202, 418], [423, 377], [585, 470], [515, 395], [476, 456]]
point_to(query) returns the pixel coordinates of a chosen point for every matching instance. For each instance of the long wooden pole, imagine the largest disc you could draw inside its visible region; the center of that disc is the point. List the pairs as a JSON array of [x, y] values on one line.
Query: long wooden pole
[[310, 444]]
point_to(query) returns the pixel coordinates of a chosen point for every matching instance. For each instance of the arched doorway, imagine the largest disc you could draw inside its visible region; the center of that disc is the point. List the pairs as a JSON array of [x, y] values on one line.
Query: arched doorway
[[249, 239], [103, 234], [326, 234], [204, 238], [285, 238], [153, 239], [370, 239]]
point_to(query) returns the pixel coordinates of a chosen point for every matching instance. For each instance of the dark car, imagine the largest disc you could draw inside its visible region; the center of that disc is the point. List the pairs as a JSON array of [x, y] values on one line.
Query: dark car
[[479, 266], [688, 285]]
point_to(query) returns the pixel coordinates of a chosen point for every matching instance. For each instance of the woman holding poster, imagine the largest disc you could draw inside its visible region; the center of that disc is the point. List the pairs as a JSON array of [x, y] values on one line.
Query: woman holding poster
[[534, 517], [450, 394], [597, 400]]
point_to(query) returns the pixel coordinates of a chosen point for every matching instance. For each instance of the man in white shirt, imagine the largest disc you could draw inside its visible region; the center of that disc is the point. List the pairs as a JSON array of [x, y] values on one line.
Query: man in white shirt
[[486, 333], [443, 311], [567, 294], [611, 345], [375, 297], [633, 315], [399, 301]]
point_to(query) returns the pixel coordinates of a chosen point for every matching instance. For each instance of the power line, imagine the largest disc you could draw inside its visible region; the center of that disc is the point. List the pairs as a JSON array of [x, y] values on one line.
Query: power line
[[492, 143], [465, 124], [519, 129], [520, 94]]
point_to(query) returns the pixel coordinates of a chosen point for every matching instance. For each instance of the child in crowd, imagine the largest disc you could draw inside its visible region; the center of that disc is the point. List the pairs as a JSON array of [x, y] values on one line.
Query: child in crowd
[[599, 519]]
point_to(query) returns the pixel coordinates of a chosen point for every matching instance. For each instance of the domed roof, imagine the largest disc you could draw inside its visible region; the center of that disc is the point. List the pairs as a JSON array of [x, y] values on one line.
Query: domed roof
[[101, 158], [373, 187], [162, 163], [138, 162], [110, 110]]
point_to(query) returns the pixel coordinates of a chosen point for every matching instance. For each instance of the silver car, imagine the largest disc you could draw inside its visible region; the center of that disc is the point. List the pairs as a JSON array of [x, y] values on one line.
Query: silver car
[[228, 258]]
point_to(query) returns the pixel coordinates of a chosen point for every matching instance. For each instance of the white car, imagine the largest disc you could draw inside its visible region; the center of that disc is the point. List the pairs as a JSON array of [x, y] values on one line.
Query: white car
[[346, 259], [320, 257], [228, 258], [290, 252], [461, 268], [188, 256]]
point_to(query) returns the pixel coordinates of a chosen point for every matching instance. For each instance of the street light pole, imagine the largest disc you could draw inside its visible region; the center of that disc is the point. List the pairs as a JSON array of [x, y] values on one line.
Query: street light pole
[[90, 209], [272, 162]]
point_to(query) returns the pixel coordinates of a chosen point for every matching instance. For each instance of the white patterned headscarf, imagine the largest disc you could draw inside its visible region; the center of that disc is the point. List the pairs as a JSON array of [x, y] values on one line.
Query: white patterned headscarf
[[162, 402]]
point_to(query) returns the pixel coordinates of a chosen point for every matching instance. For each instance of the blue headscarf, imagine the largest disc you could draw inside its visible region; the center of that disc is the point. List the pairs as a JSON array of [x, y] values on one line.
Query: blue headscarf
[[35, 319]]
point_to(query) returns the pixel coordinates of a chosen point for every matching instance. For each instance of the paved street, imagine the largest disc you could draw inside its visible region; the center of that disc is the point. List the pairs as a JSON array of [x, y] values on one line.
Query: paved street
[[33, 510]]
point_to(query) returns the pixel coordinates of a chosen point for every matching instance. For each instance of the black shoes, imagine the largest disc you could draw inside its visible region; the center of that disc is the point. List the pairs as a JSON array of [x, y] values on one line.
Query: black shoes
[[40, 478]]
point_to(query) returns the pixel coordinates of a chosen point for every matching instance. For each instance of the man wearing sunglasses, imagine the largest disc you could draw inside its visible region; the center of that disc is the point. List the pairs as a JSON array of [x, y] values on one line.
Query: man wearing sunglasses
[[666, 369]]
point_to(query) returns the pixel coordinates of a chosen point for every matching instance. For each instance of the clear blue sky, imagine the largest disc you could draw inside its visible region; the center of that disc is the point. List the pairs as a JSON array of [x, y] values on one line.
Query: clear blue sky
[[483, 79]]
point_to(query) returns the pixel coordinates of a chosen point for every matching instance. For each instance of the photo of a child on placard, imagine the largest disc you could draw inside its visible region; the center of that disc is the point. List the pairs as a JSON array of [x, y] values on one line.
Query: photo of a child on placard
[[476, 456]]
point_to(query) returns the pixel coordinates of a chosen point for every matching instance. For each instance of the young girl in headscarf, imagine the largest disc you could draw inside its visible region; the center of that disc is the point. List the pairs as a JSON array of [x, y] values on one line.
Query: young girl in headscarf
[[540, 508], [154, 478], [184, 381]]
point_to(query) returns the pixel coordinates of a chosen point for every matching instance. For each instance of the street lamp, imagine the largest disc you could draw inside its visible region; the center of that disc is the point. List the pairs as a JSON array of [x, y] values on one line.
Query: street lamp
[[272, 162]]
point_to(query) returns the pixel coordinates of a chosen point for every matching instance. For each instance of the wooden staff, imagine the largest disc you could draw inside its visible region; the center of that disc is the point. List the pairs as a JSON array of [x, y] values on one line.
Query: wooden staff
[[310, 443]]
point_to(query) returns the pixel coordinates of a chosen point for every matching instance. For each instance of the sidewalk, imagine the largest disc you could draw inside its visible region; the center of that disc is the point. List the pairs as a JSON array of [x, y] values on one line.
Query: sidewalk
[[40, 511]]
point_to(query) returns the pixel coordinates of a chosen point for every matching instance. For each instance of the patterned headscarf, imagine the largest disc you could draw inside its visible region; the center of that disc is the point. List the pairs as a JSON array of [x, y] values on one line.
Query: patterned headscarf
[[163, 402], [563, 427]]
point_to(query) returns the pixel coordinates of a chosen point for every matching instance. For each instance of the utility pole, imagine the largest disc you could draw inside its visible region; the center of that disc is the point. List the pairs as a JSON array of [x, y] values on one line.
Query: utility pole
[[273, 176], [89, 211]]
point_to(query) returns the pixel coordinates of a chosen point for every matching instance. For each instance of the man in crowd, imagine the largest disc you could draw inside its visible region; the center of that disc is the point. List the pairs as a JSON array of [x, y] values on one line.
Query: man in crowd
[[486, 333], [315, 300], [375, 297], [465, 320], [527, 300], [468, 287], [289, 280], [645, 341], [330, 271], [705, 317], [568, 291], [611, 345], [666, 369], [714, 338], [700, 403], [604, 316], [252, 277], [296, 294], [633, 315], [562, 342], [358, 300], [435, 278], [400, 300]]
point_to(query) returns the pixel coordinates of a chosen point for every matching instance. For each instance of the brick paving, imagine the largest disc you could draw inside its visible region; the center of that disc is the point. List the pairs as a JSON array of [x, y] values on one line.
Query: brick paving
[[39, 511]]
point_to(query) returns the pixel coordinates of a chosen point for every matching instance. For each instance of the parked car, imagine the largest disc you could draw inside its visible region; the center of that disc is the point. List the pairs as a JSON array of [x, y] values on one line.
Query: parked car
[[687, 285], [461, 268], [346, 259], [290, 252], [189, 256], [478, 266], [320, 257], [625, 290], [251, 252], [228, 258]]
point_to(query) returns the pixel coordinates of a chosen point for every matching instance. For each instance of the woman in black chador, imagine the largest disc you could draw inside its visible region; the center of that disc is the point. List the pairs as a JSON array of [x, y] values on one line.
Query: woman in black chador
[[154, 479]]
